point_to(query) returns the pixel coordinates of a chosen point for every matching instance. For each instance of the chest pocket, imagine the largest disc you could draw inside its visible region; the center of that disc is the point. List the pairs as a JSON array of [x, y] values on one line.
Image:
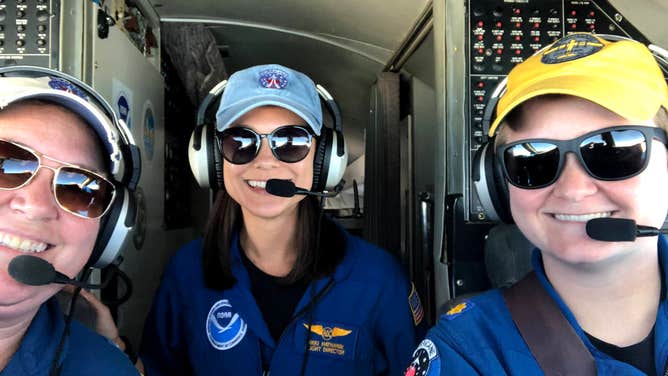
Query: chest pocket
[[333, 340]]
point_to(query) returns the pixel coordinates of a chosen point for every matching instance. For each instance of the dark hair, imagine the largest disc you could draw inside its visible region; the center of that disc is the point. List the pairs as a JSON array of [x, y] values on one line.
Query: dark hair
[[226, 220]]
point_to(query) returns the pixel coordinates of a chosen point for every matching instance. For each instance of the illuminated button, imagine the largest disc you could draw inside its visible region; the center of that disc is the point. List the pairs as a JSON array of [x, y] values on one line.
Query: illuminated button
[[498, 38], [518, 25], [480, 84], [480, 24], [498, 24], [574, 26], [42, 16], [536, 25], [481, 51], [517, 11], [499, 51], [518, 37], [592, 13], [536, 39], [479, 37], [592, 27], [574, 13], [518, 52], [480, 98]]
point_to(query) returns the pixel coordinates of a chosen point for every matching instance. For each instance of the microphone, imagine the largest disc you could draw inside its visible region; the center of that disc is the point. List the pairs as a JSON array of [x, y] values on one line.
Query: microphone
[[618, 230], [34, 271], [286, 188]]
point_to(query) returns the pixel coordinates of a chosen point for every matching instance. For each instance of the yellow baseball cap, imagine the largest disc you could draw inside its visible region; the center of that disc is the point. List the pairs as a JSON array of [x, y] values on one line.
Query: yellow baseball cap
[[621, 76]]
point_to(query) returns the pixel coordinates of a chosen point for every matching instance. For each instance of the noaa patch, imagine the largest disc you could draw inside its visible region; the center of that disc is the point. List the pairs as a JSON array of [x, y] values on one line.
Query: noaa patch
[[64, 85], [425, 361], [224, 327], [459, 309], [572, 47], [273, 78]]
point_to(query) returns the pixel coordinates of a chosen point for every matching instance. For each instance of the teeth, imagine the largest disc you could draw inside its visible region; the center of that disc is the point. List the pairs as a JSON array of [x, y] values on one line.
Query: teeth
[[20, 244], [257, 183], [581, 217]]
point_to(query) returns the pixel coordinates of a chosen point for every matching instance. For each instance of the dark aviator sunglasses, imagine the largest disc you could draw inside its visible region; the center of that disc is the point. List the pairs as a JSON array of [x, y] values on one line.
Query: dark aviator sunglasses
[[288, 143], [613, 153], [77, 190]]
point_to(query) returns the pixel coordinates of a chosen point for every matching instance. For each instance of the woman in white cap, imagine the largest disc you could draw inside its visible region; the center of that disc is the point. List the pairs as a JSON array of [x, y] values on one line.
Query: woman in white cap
[[58, 153], [269, 290]]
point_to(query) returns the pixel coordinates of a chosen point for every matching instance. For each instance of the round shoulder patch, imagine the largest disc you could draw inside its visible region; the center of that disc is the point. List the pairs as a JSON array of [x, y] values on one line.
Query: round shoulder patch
[[224, 327], [426, 360], [273, 78], [572, 47]]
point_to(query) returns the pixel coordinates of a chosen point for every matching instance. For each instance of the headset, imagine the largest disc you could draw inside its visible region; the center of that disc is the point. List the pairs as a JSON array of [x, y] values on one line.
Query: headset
[[488, 177], [125, 169], [206, 161]]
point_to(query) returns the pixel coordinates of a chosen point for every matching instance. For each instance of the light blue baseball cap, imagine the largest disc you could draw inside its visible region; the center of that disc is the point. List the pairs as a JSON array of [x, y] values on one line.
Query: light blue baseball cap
[[269, 85]]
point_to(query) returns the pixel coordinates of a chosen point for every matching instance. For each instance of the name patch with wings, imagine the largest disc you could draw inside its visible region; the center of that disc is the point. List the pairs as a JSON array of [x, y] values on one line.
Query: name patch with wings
[[333, 339]]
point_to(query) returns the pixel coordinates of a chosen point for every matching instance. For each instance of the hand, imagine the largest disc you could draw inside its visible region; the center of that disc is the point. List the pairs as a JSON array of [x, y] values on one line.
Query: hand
[[104, 322]]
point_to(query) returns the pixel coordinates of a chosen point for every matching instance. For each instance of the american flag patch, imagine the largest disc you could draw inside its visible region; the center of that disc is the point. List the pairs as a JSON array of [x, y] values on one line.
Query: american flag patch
[[416, 306]]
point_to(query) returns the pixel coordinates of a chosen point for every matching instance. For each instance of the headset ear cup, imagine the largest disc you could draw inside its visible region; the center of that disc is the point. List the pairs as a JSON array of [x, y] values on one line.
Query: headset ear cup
[[114, 229], [215, 160], [490, 184], [319, 172]]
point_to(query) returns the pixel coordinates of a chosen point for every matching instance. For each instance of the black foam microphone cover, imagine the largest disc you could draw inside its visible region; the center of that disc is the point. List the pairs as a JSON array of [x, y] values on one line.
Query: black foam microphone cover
[[282, 188], [32, 270], [612, 229]]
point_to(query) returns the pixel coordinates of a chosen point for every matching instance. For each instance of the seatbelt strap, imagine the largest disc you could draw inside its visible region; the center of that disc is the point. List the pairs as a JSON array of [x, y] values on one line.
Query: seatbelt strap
[[549, 336]]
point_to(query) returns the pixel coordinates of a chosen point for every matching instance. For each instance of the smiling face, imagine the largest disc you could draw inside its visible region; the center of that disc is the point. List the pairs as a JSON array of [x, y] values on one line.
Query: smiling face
[[553, 218], [30, 218], [245, 182]]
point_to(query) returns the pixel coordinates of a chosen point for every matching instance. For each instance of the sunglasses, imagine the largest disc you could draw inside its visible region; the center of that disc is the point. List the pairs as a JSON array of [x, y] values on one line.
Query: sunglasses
[[77, 190], [288, 143], [614, 153]]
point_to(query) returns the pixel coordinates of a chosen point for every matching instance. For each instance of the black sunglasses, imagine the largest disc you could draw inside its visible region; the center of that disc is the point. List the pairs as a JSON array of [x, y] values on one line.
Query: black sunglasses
[[77, 190], [288, 143], [613, 153]]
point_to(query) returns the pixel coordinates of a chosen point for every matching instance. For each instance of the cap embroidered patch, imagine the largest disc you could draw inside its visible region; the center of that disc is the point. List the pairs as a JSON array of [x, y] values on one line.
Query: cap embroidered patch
[[459, 309], [572, 47], [64, 85], [416, 306], [273, 79], [425, 361]]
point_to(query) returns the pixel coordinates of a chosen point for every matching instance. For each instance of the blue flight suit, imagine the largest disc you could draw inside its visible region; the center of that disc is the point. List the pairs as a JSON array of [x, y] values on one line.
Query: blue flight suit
[[84, 352], [479, 336], [361, 323]]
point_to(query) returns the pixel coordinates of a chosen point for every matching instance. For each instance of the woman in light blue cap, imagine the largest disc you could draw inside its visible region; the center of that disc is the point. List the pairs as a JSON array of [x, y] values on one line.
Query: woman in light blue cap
[[271, 289]]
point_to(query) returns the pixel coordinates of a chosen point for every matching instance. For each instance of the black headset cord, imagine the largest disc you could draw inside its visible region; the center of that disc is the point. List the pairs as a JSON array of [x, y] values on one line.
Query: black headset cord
[[321, 211], [56, 366]]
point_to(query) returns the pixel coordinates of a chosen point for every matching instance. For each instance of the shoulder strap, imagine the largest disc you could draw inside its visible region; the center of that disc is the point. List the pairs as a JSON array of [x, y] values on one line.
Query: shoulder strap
[[551, 339]]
